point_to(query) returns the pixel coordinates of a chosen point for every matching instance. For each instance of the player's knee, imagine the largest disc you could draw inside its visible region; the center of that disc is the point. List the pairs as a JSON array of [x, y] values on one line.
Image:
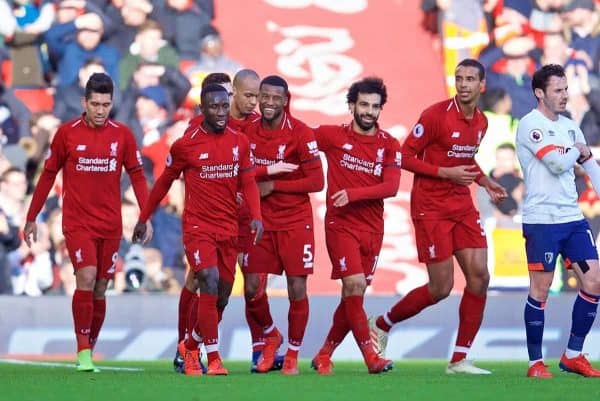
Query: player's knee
[[591, 284], [440, 291], [354, 287], [100, 289], [251, 288], [296, 288]]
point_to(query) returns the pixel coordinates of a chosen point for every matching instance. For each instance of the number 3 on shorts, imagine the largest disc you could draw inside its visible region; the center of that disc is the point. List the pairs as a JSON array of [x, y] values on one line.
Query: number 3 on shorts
[[307, 256]]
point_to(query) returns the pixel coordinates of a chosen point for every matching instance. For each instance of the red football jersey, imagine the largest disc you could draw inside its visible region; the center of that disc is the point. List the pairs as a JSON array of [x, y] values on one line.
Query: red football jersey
[[92, 160], [212, 165], [443, 137], [292, 142], [356, 162], [244, 217]]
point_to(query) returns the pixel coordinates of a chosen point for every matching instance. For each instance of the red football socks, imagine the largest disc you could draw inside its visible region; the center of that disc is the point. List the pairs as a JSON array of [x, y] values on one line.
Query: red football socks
[[297, 321], [411, 304], [97, 319], [83, 308], [256, 331], [470, 314], [192, 317], [185, 298], [357, 320], [338, 330], [259, 308]]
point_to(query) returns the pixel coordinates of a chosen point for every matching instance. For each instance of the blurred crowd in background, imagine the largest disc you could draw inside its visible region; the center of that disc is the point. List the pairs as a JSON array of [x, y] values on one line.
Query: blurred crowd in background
[[158, 52]]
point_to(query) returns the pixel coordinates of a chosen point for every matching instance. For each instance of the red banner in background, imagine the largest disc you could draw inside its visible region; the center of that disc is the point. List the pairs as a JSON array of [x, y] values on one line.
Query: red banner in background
[[320, 47]]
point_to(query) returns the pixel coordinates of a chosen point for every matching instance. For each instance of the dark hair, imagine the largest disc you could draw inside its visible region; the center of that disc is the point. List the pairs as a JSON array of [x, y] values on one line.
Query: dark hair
[[211, 88], [367, 85], [215, 78], [99, 82], [274, 80], [542, 76], [471, 62]]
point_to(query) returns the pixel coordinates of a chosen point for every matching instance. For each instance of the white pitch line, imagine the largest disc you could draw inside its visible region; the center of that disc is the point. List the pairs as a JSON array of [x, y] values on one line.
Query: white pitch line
[[65, 365]]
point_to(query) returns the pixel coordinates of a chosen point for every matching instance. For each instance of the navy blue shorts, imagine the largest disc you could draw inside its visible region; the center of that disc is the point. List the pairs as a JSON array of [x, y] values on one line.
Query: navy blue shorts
[[544, 242]]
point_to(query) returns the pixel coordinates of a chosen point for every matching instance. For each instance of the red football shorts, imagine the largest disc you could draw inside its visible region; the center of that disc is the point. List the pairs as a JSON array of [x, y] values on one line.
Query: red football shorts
[[278, 251], [204, 250], [352, 252], [87, 251], [437, 240]]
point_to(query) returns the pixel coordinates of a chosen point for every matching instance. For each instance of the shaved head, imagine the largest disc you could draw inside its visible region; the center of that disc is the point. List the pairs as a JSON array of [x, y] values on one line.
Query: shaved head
[[243, 75]]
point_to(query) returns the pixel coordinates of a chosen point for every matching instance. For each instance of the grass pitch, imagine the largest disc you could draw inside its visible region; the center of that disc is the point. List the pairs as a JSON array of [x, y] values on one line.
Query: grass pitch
[[410, 380]]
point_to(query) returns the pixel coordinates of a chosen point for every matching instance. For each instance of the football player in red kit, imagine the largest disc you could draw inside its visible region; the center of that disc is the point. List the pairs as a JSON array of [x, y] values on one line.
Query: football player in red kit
[[363, 168], [288, 169], [215, 162], [91, 151], [440, 152]]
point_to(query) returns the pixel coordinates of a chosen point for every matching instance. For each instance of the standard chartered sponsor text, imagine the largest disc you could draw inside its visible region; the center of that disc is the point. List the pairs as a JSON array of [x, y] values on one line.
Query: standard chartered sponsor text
[[218, 171], [94, 164], [462, 151], [357, 164]]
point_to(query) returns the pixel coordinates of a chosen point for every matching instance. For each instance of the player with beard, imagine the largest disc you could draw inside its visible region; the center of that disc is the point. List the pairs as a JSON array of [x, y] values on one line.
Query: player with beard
[[215, 162], [440, 152], [91, 151], [363, 168], [278, 139]]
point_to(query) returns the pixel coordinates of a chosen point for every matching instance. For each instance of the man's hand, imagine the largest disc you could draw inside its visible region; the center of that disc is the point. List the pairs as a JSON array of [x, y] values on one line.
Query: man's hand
[[256, 228], [586, 153], [30, 230], [142, 233], [340, 198], [281, 167], [462, 175], [265, 188], [496, 191]]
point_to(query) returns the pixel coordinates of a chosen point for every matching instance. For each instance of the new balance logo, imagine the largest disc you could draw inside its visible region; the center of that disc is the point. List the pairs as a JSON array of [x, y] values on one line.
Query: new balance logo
[[455, 134], [203, 156], [347, 146], [80, 148]]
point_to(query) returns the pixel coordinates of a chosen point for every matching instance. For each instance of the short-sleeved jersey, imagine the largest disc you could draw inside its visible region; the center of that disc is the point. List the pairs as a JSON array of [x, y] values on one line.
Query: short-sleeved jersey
[[549, 197], [92, 160], [353, 161], [443, 137], [292, 142], [211, 164]]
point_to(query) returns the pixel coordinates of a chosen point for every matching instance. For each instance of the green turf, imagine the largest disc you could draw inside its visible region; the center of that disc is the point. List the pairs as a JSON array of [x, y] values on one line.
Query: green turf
[[410, 380]]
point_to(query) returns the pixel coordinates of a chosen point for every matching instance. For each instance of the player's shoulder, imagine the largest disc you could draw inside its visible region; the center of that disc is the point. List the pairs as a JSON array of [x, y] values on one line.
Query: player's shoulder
[[71, 125], [387, 138], [330, 129], [439, 109], [532, 120]]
